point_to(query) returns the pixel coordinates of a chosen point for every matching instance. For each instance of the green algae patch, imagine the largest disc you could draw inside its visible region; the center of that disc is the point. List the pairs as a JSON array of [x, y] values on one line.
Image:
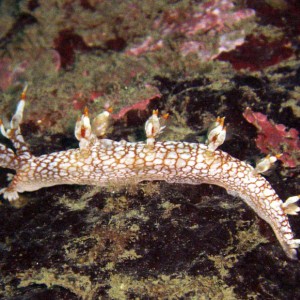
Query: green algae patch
[[174, 286], [248, 239], [78, 284]]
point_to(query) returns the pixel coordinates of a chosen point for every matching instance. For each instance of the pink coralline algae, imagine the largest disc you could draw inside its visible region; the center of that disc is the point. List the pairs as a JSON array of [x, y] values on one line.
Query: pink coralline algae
[[213, 19], [10, 74], [140, 105], [148, 45], [213, 15], [275, 138], [257, 53]]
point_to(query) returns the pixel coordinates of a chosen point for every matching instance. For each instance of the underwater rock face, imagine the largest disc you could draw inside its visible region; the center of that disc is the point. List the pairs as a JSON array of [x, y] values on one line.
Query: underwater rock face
[[153, 240]]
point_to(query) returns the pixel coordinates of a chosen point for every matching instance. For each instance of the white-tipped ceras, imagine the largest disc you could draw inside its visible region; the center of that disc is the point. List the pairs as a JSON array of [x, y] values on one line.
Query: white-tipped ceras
[[100, 161]]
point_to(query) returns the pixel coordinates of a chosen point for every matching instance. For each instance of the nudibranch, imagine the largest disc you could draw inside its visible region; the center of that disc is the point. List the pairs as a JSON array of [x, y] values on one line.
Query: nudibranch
[[99, 161]]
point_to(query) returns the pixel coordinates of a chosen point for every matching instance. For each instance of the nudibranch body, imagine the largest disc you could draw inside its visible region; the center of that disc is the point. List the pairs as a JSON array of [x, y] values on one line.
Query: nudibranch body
[[100, 161]]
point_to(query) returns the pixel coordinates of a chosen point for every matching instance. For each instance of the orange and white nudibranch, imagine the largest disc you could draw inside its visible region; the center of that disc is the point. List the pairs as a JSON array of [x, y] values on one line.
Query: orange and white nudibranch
[[100, 161]]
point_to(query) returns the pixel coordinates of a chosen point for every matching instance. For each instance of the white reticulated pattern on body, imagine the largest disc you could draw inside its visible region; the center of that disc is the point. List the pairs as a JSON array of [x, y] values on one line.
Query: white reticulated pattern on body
[[103, 161]]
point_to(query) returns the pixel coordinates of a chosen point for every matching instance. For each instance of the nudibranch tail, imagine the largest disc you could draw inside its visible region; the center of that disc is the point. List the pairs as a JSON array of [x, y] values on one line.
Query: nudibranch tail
[[100, 161]]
